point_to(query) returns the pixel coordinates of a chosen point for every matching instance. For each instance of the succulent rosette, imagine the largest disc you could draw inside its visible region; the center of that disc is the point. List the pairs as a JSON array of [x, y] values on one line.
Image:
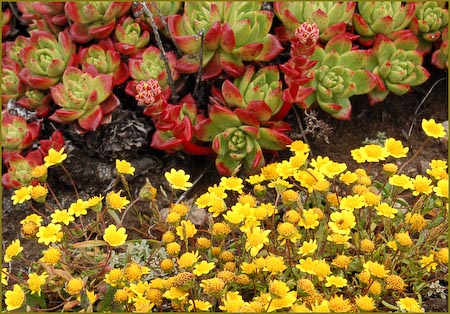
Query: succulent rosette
[[11, 49], [160, 10], [256, 91], [12, 87], [332, 18], [105, 59], [94, 19], [43, 16], [17, 134], [381, 17], [236, 144], [430, 19], [131, 38], [175, 129], [338, 75], [37, 100], [397, 64], [20, 169], [439, 58], [46, 58], [149, 65], [84, 97], [234, 32]]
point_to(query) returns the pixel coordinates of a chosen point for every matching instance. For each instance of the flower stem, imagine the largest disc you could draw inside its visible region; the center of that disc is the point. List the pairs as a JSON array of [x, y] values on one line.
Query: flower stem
[[71, 181], [416, 154]]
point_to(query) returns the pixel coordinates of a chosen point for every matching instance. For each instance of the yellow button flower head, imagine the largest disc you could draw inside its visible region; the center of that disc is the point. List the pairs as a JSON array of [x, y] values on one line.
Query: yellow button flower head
[[13, 250], [232, 184], [188, 259], [310, 219], [433, 129], [213, 286], [287, 231], [54, 157], [114, 277], [365, 303], [178, 179], [39, 193], [114, 236], [422, 185], [186, 229], [14, 298], [274, 264], [403, 238], [74, 286], [256, 239], [278, 288], [341, 261], [348, 177], [115, 201], [49, 234], [21, 195], [409, 305], [35, 282], [124, 167], [51, 256], [428, 262]]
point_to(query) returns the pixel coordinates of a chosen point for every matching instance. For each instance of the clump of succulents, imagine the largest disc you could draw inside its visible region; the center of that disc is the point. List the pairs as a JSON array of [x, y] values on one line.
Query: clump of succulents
[[440, 56], [43, 16], [232, 32], [332, 18], [20, 169], [397, 64], [17, 134], [131, 37], [381, 17], [12, 87]]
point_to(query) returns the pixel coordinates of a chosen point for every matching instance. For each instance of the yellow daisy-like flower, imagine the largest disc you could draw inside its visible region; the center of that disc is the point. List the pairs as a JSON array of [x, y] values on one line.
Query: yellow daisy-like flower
[[428, 263], [278, 288], [342, 222], [352, 202], [309, 219], [395, 148], [95, 203], [385, 210], [255, 179], [337, 238], [307, 265], [40, 173], [134, 272], [416, 221], [186, 229], [49, 234], [280, 185], [409, 305], [203, 268], [39, 193], [232, 184], [199, 305], [298, 160], [270, 171], [433, 129], [341, 261], [188, 259], [74, 286], [298, 146], [402, 181], [213, 286], [365, 303], [35, 282], [441, 188], [51, 256], [374, 153], [115, 201], [124, 167], [285, 169], [54, 157], [14, 298], [308, 247], [339, 304], [322, 269], [12, 250], [22, 195], [422, 185], [220, 230], [442, 255], [376, 269], [308, 178], [403, 238], [114, 236], [337, 281], [348, 177], [62, 216], [256, 239], [78, 208], [180, 208], [114, 277], [287, 231], [178, 179], [234, 217], [333, 168], [274, 264], [32, 218]]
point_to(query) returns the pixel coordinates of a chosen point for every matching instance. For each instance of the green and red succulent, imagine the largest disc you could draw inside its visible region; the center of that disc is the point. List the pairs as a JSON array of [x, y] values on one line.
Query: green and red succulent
[[84, 97], [130, 36], [20, 169], [338, 75], [37, 100], [17, 134], [234, 32], [12, 87], [46, 58], [381, 17], [439, 58], [6, 26], [94, 19], [44, 16], [397, 64], [332, 18], [160, 10]]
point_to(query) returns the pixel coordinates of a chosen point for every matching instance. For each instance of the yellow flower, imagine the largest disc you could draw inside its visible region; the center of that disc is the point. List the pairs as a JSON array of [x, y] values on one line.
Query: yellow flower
[[341, 261], [166, 265], [115, 201], [422, 185], [307, 265], [367, 246], [308, 178], [114, 277], [433, 129], [255, 179], [248, 268], [376, 269], [173, 249], [285, 169], [234, 217], [14, 298], [274, 264], [39, 193], [337, 281], [374, 153], [21, 195], [352, 202], [124, 167], [121, 295], [390, 168], [199, 305], [409, 305], [342, 222], [188, 259], [416, 221], [54, 157], [32, 218], [310, 219], [308, 247], [395, 282], [337, 238], [39, 172], [298, 146], [203, 268], [289, 197], [78, 208], [49, 234], [134, 272], [232, 184], [365, 303], [35, 282], [339, 304], [392, 245], [256, 239], [395, 148], [175, 293], [213, 286], [178, 180], [321, 307], [51, 256], [403, 238], [12, 250], [298, 160], [203, 243], [322, 269], [287, 231], [348, 177], [232, 302], [442, 255], [428, 263], [186, 230], [402, 181], [62, 216], [333, 168], [114, 236], [375, 288], [386, 211], [74, 286], [371, 198], [441, 188], [278, 288]]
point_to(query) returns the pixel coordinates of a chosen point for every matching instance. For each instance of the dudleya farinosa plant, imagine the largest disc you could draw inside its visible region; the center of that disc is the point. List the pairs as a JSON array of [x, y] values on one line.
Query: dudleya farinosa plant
[[233, 32]]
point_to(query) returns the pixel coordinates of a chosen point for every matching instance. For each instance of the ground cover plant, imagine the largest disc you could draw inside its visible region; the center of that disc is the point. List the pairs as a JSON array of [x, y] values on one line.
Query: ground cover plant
[[281, 229]]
